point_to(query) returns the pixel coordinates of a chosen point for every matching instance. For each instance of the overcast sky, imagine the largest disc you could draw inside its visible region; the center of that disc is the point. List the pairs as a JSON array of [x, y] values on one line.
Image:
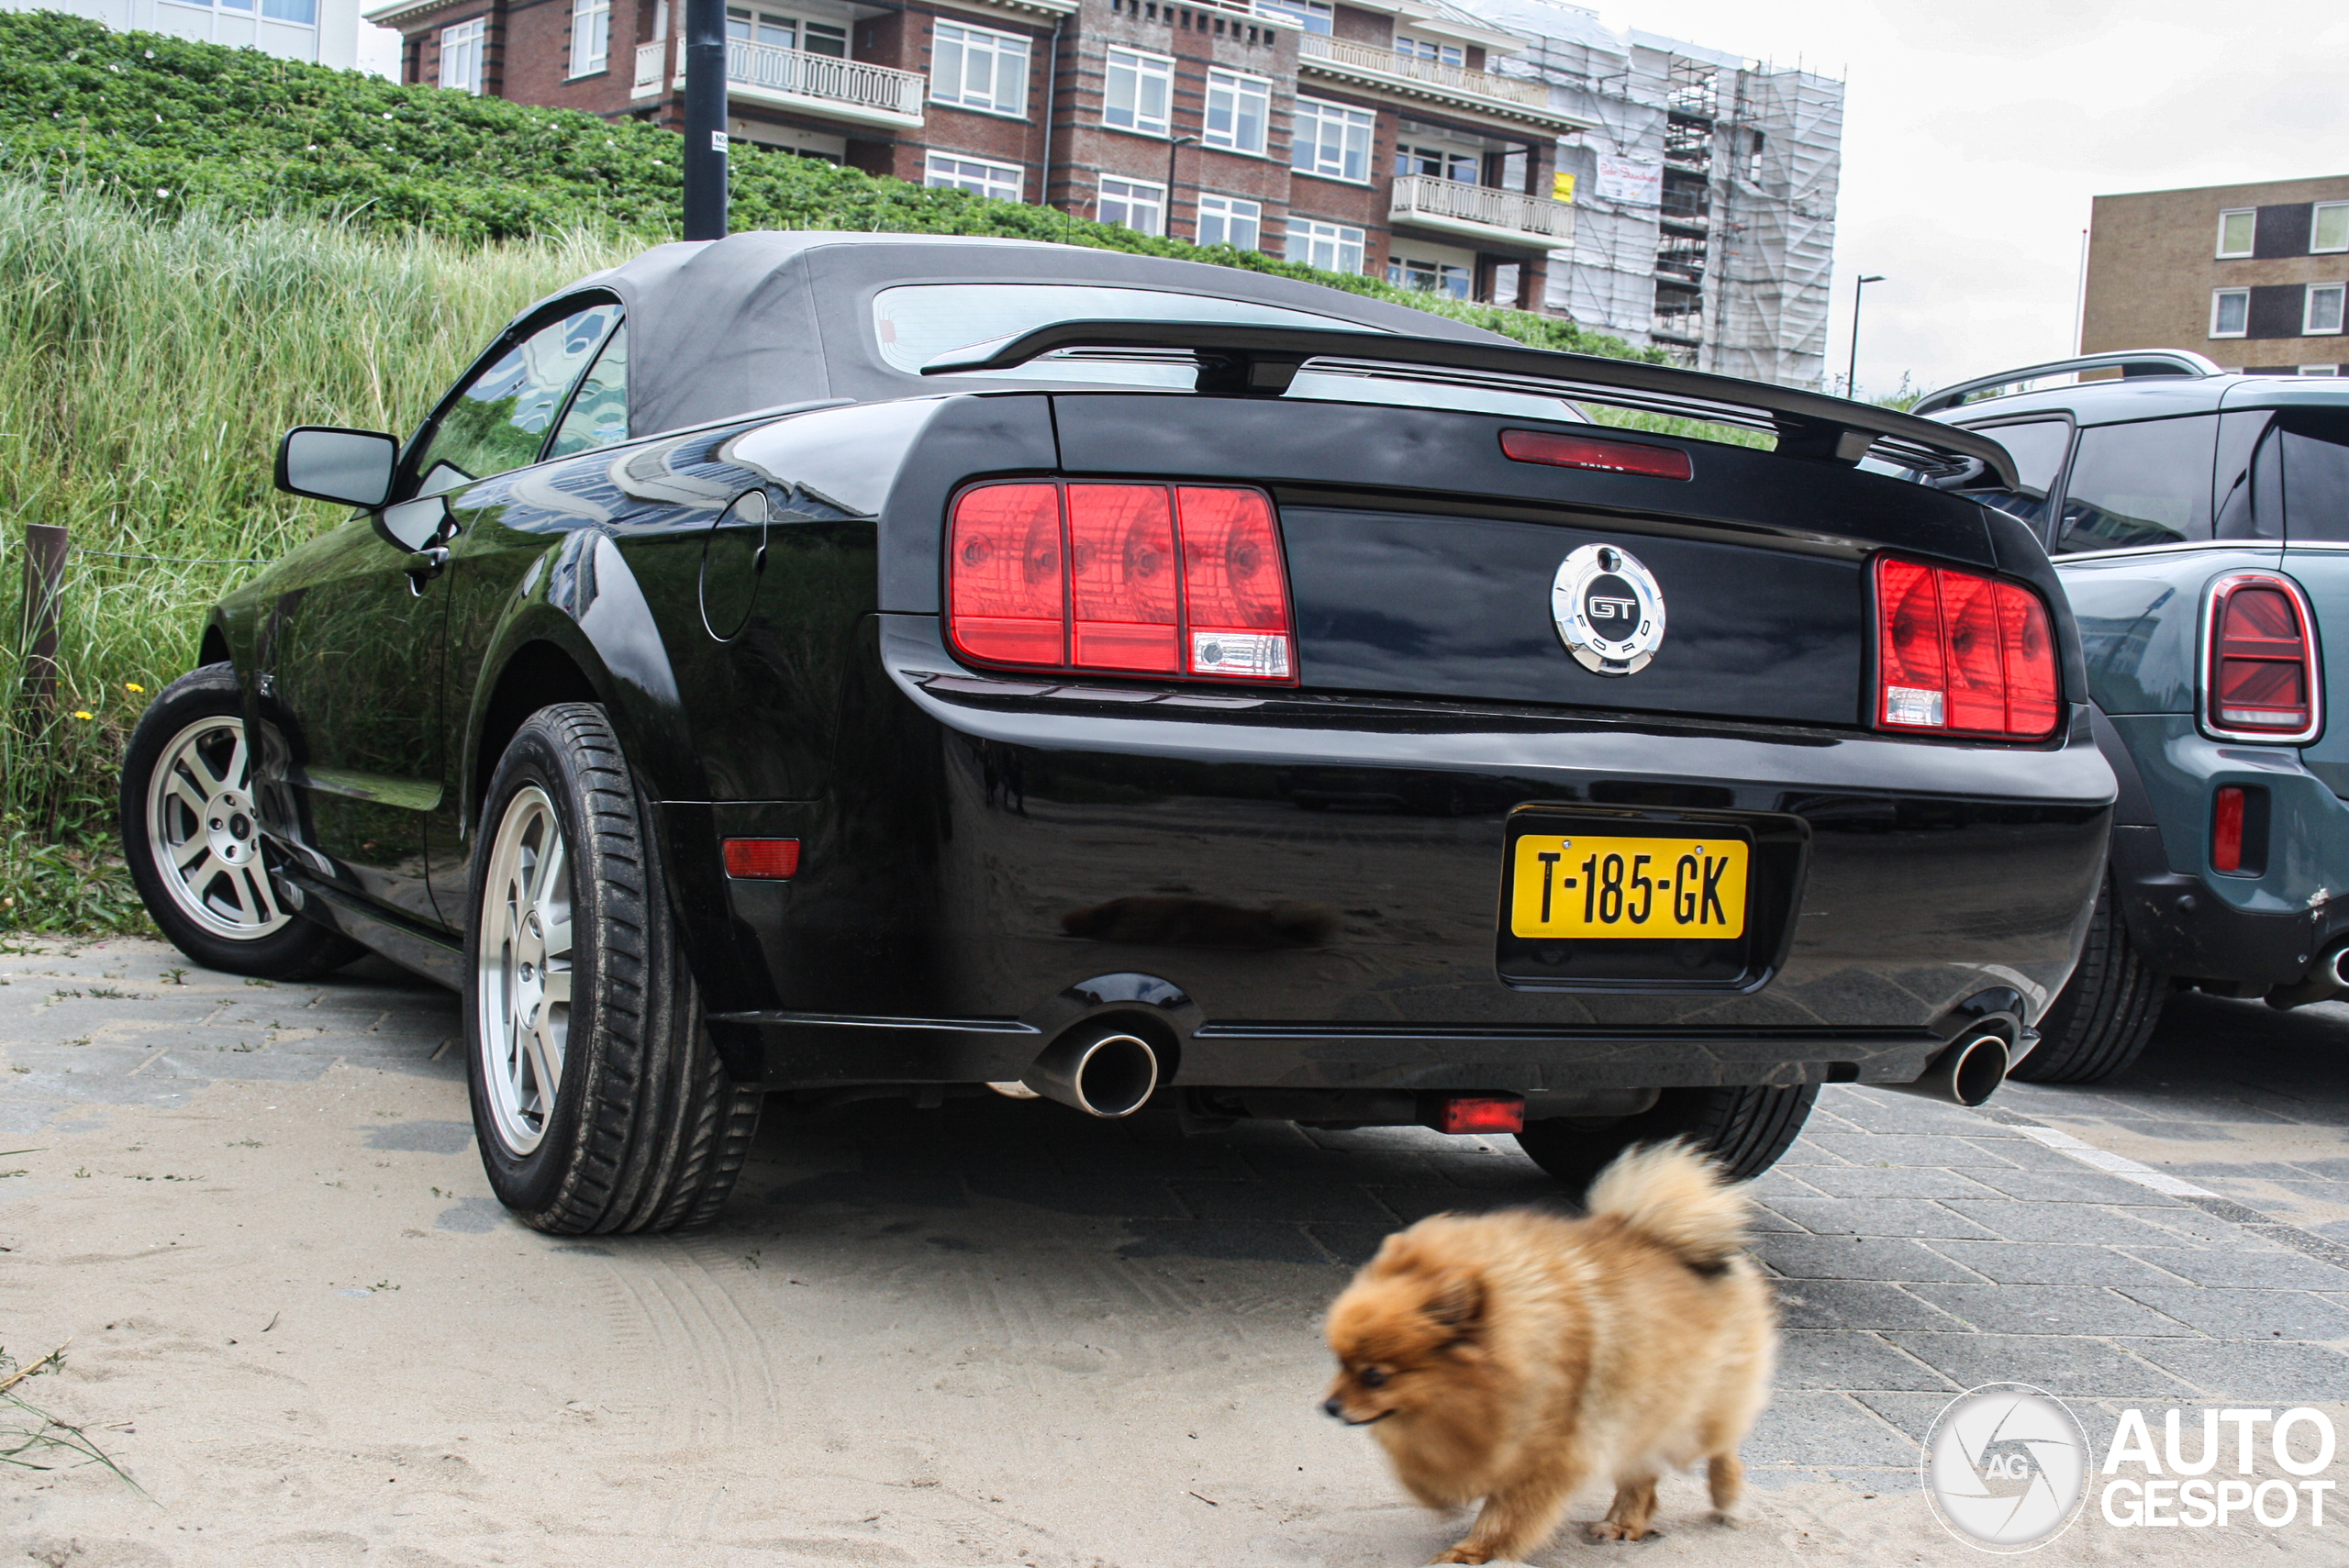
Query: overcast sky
[[1975, 134]]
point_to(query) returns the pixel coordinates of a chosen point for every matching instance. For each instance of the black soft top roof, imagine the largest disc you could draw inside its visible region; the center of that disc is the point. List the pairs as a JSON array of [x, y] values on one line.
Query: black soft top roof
[[721, 327]]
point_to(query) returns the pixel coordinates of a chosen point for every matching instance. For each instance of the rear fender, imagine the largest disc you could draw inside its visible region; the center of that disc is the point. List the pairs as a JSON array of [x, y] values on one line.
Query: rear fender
[[581, 600], [581, 628]]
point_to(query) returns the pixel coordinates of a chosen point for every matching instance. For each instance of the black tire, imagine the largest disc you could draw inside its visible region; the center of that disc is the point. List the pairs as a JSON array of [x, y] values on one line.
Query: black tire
[[2100, 1021], [645, 1130], [187, 766], [1745, 1128]]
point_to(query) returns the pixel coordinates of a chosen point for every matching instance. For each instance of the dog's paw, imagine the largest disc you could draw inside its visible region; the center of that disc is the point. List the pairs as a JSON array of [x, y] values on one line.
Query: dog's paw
[[1608, 1530], [1464, 1552], [1727, 1520]]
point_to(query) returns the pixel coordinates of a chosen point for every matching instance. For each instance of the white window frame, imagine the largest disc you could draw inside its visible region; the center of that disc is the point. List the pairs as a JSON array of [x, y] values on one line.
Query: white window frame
[[1449, 157], [1440, 275], [1235, 95], [754, 19], [2319, 369], [2308, 329], [1316, 16], [2317, 214], [2218, 298], [1007, 56], [1146, 194], [1141, 72], [1346, 243], [2249, 245], [1311, 113], [980, 176], [591, 37], [469, 43], [1230, 212], [1433, 49]]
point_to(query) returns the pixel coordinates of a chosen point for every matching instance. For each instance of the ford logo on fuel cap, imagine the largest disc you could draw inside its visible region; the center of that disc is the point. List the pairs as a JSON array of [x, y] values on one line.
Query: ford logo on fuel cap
[[1609, 610]]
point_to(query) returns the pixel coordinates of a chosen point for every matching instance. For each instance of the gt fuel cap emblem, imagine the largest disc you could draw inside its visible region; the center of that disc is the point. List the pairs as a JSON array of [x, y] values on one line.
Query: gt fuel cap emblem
[[1609, 610]]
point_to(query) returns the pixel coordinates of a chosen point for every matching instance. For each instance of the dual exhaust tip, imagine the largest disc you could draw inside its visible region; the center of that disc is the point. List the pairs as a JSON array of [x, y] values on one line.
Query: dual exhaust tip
[[1102, 1071], [1111, 1072]]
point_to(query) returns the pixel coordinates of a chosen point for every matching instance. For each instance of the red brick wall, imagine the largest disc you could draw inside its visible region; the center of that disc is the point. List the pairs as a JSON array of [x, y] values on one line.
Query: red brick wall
[[1197, 40], [538, 59], [1373, 27]]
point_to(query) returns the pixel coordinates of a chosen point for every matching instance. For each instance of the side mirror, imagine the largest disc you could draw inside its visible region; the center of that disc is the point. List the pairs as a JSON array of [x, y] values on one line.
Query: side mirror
[[354, 467]]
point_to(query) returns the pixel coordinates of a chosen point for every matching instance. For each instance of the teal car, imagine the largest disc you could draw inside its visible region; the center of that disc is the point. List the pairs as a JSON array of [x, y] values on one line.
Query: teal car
[[2199, 523]]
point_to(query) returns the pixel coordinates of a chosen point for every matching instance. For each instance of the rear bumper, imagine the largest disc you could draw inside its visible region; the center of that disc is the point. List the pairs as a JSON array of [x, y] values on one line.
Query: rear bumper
[[1317, 882], [2187, 919]]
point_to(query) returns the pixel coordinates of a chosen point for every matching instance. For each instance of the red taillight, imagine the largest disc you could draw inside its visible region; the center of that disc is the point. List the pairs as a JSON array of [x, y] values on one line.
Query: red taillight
[[1121, 552], [1478, 1113], [1134, 579], [1235, 585], [2261, 682], [1562, 451], [1963, 653], [2226, 830], [763, 860], [1008, 586]]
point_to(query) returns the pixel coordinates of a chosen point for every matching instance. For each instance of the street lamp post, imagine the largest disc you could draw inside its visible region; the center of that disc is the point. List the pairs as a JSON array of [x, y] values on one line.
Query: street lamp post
[[1173, 146], [704, 119], [1851, 376]]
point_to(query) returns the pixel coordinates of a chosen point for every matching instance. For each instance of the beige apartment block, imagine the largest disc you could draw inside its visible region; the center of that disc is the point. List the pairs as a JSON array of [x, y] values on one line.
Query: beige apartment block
[[2254, 276]]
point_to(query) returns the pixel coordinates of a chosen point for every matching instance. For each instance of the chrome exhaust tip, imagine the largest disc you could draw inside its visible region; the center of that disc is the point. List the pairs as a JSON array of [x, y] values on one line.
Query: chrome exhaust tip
[[1967, 1074], [1101, 1070]]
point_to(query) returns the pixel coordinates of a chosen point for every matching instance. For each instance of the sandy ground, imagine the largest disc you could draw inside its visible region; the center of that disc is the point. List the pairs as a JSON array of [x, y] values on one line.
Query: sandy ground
[[297, 1320]]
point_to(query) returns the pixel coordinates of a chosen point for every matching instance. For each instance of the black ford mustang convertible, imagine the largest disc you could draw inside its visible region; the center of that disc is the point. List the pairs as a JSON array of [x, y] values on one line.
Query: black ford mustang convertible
[[856, 665]]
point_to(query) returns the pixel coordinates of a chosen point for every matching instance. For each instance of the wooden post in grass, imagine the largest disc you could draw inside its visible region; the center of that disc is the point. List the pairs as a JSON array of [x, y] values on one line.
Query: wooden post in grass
[[45, 548]]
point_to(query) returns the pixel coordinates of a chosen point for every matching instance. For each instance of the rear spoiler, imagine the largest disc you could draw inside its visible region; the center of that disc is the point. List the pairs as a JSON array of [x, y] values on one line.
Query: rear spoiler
[[1263, 361]]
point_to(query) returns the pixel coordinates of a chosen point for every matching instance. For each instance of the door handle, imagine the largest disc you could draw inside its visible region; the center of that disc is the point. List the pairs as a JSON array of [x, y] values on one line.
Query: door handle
[[424, 565]]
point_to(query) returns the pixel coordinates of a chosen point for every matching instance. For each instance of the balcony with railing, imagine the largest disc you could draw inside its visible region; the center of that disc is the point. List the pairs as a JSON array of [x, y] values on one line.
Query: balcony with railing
[[1411, 76], [797, 78], [1479, 212]]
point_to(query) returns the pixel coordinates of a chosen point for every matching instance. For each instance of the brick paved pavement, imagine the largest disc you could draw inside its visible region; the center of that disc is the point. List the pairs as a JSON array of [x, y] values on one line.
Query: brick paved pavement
[[1922, 1248]]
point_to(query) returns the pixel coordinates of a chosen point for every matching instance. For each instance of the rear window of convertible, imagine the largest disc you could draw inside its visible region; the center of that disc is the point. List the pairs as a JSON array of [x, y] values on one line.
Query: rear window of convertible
[[915, 323]]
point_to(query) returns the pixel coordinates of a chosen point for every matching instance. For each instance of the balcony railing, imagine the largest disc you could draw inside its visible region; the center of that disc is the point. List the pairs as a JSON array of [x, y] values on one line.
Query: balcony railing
[[850, 88], [1479, 210], [1456, 80], [875, 95]]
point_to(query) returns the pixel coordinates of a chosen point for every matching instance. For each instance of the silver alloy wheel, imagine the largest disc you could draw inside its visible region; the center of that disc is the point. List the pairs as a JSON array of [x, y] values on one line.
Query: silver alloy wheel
[[204, 835], [523, 1002]]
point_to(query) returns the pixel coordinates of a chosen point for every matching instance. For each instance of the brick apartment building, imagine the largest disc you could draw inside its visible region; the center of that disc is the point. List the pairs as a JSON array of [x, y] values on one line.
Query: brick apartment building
[[2251, 275], [1367, 136]]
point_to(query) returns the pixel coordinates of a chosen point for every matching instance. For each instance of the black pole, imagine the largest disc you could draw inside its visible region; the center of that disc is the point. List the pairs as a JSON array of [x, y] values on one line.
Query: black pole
[[704, 119], [1176, 145], [1852, 375]]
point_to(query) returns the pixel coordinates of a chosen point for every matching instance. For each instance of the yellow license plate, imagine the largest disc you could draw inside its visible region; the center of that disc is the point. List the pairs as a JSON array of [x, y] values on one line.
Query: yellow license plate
[[1582, 885]]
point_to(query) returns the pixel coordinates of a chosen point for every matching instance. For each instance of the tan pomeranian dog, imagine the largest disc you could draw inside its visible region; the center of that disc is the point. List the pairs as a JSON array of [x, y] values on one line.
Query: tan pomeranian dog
[[1511, 1357]]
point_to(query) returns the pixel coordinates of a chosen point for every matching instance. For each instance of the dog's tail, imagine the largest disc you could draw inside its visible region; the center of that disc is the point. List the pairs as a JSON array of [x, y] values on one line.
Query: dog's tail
[[1674, 1197]]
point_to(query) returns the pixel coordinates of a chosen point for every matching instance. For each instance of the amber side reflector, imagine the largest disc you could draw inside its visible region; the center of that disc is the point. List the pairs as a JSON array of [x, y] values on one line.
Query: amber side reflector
[[763, 860], [1478, 1113], [1560, 450]]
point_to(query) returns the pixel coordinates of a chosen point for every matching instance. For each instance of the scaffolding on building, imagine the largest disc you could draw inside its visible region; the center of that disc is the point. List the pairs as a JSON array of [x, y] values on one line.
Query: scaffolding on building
[[1705, 195]]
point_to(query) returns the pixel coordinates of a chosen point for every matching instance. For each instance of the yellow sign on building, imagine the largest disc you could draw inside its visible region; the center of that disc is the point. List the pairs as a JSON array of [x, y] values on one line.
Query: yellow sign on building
[[1562, 186]]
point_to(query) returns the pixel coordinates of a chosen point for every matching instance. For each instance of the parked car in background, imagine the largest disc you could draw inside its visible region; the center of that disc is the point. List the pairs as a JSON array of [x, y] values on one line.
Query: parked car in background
[[865, 666], [2199, 523]]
